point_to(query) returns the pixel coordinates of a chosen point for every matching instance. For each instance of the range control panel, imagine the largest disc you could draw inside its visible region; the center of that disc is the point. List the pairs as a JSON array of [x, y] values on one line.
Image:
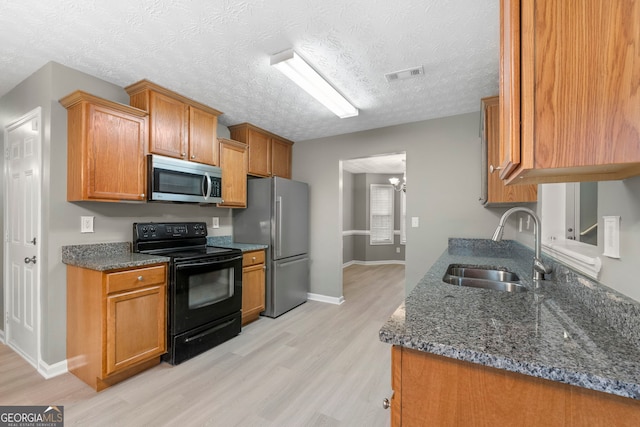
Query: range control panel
[[168, 230]]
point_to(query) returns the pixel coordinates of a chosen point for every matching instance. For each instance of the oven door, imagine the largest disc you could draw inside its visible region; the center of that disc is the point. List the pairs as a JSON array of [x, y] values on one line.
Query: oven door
[[204, 291]]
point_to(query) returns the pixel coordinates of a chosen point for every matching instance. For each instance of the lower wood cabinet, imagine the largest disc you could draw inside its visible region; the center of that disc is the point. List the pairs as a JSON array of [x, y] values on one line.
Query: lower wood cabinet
[[253, 285], [116, 322], [430, 390]]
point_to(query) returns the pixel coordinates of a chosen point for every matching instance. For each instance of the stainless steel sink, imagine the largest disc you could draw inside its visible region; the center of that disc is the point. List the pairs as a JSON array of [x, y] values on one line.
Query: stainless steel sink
[[483, 277]]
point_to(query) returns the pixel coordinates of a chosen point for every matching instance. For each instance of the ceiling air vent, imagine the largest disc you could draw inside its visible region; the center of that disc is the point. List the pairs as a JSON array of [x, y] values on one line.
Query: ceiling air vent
[[404, 74]]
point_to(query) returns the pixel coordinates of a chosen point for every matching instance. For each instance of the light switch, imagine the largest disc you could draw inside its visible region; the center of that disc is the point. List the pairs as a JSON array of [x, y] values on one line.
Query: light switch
[[415, 221], [216, 222]]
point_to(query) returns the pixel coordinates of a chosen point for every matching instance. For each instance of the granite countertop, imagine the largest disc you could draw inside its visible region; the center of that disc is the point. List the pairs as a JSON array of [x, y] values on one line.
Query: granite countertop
[[107, 256], [227, 242], [571, 329]]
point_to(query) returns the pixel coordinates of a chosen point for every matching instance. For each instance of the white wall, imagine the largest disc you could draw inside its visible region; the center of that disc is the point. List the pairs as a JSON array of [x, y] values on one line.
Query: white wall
[[443, 186]]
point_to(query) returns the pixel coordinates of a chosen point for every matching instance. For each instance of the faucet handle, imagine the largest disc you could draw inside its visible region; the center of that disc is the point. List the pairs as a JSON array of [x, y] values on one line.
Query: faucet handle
[[540, 269]]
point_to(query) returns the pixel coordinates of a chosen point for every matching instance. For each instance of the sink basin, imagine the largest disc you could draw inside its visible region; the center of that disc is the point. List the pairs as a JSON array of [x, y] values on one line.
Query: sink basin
[[483, 277]]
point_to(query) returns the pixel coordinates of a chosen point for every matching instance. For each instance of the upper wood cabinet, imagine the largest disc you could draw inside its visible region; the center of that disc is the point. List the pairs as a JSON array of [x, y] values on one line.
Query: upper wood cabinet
[[281, 157], [233, 162], [178, 126], [569, 85], [105, 149], [497, 193], [269, 154]]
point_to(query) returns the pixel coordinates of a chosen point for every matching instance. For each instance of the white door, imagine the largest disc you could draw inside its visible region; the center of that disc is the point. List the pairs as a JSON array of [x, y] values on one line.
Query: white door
[[22, 219]]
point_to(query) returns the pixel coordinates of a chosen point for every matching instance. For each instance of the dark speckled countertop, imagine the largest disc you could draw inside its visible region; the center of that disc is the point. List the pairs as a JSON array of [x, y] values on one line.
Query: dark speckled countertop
[[571, 329], [107, 256], [227, 242]]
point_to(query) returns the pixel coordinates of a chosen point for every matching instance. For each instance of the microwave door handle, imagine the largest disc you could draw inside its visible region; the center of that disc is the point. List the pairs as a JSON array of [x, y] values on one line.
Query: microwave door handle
[[206, 185], [209, 185]]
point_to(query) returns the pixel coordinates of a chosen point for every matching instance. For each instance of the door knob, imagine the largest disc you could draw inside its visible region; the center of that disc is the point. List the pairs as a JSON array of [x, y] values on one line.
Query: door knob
[[28, 260]]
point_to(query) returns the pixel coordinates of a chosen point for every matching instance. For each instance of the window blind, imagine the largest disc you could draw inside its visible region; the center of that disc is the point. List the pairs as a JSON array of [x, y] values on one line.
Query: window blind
[[381, 214]]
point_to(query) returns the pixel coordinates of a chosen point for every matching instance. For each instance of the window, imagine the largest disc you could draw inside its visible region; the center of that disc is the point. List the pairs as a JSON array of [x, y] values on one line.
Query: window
[[381, 214]]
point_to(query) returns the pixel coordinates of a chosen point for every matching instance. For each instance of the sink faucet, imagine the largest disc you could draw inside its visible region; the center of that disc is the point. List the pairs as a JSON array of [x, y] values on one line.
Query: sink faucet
[[539, 269]]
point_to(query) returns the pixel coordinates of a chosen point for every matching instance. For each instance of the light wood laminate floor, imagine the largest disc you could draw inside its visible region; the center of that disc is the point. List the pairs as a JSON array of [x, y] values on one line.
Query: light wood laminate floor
[[317, 365]]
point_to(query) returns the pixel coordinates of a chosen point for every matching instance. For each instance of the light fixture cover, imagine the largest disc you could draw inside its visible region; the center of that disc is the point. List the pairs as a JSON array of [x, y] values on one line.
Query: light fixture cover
[[294, 67]]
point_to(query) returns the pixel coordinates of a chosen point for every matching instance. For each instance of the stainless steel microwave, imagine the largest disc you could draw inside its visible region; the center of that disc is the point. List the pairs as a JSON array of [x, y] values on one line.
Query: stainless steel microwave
[[175, 180]]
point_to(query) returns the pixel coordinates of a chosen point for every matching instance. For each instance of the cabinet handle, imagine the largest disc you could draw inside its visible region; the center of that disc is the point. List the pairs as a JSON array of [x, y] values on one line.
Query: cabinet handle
[[142, 195], [140, 278], [493, 169], [183, 154], [385, 403], [253, 258], [193, 156]]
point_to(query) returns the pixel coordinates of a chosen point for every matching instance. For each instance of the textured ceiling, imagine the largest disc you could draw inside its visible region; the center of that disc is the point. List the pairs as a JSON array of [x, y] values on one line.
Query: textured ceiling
[[387, 163], [217, 52]]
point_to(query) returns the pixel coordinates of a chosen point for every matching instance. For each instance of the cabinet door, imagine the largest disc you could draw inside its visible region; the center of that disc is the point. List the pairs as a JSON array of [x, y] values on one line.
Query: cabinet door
[[233, 162], [253, 283], [259, 153], [497, 191], [203, 141], [168, 124], [509, 87], [135, 328], [280, 158], [568, 85], [115, 168], [586, 82]]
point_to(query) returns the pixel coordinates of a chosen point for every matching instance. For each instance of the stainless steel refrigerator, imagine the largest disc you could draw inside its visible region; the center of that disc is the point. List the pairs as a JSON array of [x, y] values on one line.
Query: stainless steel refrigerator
[[277, 215]]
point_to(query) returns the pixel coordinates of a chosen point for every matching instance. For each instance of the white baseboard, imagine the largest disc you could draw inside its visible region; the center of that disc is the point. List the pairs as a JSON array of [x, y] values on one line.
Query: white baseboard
[[2, 337], [325, 298], [50, 371], [385, 262]]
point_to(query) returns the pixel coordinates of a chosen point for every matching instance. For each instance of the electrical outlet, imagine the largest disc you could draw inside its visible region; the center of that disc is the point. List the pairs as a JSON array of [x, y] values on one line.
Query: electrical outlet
[[215, 222], [397, 250], [415, 221], [86, 224]]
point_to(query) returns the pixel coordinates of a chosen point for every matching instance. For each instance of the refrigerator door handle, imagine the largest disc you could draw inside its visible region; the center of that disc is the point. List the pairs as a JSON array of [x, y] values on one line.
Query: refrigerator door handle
[[284, 264], [279, 226]]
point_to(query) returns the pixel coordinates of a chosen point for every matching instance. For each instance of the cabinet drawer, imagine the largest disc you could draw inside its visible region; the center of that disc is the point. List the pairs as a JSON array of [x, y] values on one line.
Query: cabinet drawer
[[252, 258], [132, 279]]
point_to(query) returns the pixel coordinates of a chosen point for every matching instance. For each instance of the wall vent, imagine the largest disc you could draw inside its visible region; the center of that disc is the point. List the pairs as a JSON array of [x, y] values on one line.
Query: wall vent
[[405, 74]]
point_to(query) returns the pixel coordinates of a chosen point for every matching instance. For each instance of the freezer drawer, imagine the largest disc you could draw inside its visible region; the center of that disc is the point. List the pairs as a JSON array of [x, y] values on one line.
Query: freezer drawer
[[289, 285]]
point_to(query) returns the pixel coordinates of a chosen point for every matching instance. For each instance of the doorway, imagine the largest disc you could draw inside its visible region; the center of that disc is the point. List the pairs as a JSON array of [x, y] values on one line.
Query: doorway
[[21, 278], [373, 205]]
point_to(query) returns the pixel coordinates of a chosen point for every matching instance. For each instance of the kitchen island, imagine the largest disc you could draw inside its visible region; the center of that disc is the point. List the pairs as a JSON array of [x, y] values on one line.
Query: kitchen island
[[566, 337]]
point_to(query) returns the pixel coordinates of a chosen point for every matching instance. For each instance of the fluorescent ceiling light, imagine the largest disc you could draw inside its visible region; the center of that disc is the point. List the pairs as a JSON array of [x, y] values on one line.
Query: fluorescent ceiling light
[[294, 67]]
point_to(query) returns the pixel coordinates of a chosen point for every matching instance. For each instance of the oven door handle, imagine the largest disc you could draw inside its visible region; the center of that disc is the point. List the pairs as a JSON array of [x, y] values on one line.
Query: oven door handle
[[209, 331], [208, 262]]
